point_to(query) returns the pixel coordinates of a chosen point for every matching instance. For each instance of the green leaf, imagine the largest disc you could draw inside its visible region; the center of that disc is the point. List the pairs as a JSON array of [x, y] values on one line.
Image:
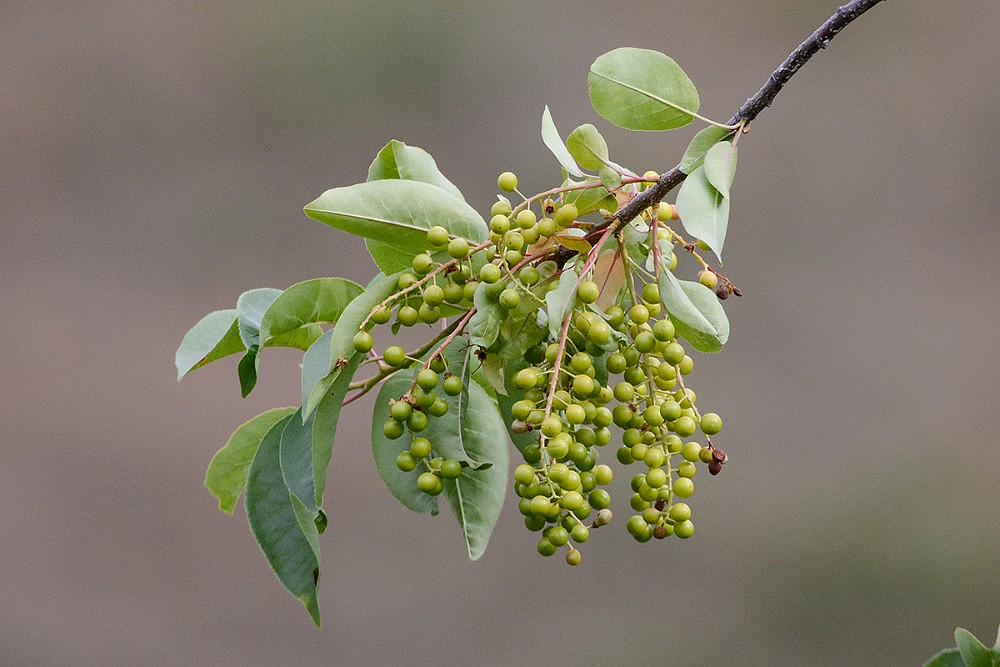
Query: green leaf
[[950, 657], [297, 461], [484, 327], [493, 372], [250, 309], [506, 402], [720, 166], [695, 311], [704, 211], [591, 200], [216, 335], [324, 429], [610, 179], [402, 485], [560, 301], [996, 645], [227, 473], [974, 654], [286, 535], [397, 214], [323, 363], [694, 156], [397, 161], [476, 496], [640, 89], [551, 138], [247, 371], [587, 147], [307, 304]]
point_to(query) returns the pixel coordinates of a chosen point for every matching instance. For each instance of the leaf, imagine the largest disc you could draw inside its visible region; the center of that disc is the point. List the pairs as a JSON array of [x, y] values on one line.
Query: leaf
[[325, 420], [484, 327], [227, 473], [521, 330], [950, 657], [506, 403], [215, 336], [318, 301], [409, 163], [704, 211], [397, 214], [493, 371], [289, 541], [720, 166], [610, 178], [295, 454], [695, 311], [450, 433], [587, 147], [974, 654], [551, 138], [476, 496], [640, 89], [609, 274], [247, 371], [573, 242], [250, 309], [591, 200], [694, 156], [322, 364], [560, 301], [402, 485]]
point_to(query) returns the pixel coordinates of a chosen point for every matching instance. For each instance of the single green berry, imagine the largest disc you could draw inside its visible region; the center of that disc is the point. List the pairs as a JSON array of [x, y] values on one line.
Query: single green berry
[[711, 423], [524, 474], [684, 529], [452, 385], [422, 263], [507, 182], [393, 429], [546, 227], [673, 354], [429, 483], [708, 279], [546, 548], [684, 427], [427, 379], [408, 316], [686, 365], [439, 408], [510, 299], [691, 451], [565, 215], [417, 421], [363, 342], [394, 355], [583, 385], [683, 487], [651, 293], [588, 291], [433, 295], [526, 378], [451, 469], [406, 461], [502, 207], [429, 314], [526, 219], [421, 448], [638, 313], [656, 477], [458, 248], [500, 224], [687, 469], [400, 411], [437, 236]]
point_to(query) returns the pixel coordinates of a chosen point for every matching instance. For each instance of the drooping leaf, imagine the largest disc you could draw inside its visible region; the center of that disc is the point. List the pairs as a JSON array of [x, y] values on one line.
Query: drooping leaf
[[250, 309], [609, 274], [402, 485], [325, 420], [974, 654], [409, 163], [720, 166], [302, 307], [227, 473], [522, 329], [573, 242], [247, 371], [493, 371], [484, 327], [397, 214], [215, 336], [560, 301], [704, 211], [551, 138], [295, 454], [321, 365], [476, 496], [288, 539], [695, 312], [586, 145], [694, 156], [640, 89]]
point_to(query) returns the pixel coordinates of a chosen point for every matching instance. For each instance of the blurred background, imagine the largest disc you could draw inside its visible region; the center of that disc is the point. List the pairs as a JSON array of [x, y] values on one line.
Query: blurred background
[[154, 161]]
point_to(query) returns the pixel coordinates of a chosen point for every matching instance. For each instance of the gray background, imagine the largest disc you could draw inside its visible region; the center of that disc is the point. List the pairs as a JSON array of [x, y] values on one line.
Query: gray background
[[154, 159]]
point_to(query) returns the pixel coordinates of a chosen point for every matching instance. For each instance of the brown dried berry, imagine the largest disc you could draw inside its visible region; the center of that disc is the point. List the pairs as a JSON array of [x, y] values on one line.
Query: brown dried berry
[[660, 504], [737, 291], [660, 531], [722, 291], [715, 467], [719, 455]]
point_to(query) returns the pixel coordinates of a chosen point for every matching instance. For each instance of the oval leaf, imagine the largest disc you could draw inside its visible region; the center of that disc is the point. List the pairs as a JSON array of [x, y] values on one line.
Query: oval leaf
[[409, 163], [640, 89], [227, 473], [694, 156], [560, 301], [325, 420], [695, 311], [216, 335], [704, 211], [288, 540], [551, 138], [318, 301], [295, 454], [397, 214], [484, 327], [720, 166], [974, 654], [587, 147]]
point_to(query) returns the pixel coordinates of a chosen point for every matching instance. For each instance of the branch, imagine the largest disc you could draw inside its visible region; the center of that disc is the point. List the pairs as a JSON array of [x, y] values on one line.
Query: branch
[[747, 113]]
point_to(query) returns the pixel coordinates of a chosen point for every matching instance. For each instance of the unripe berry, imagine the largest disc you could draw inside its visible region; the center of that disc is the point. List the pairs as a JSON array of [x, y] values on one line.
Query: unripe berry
[[526, 378], [686, 365], [393, 429], [507, 182], [394, 355], [451, 469], [458, 248], [638, 313], [406, 461], [422, 263], [673, 354], [529, 275], [510, 299], [540, 505], [420, 448], [708, 279], [417, 421], [429, 483], [437, 236], [691, 451], [683, 487], [588, 291], [453, 385], [433, 295], [687, 469], [400, 411], [651, 293], [583, 385], [524, 474], [546, 227], [656, 477], [501, 208], [429, 314], [363, 342], [684, 529], [565, 215], [526, 219], [499, 224], [551, 426], [711, 423], [408, 316], [546, 548], [663, 330], [684, 427]]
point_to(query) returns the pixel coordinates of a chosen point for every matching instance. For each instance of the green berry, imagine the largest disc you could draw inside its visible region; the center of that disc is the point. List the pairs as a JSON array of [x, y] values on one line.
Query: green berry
[[670, 410], [381, 316], [363, 342], [439, 408], [580, 533], [452, 385], [711, 423], [524, 474], [651, 293], [510, 299], [683, 487], [526, 378], [422, 263], [616, 363], [583, 385], [507, 182], [408, 316], [437, 236], [433, 295], [684, 427], [680, 512], [501, 208], [686, 365], [551, 426], [540, 505], [546, 548], [656, 477], [421, 448], [499, 224], [691, 451], [526, 219], [638, 313], [599, 499], [451, 469], [588, 291], [458, 248], [429, 314], [546, 227], [406, 461], [400, 411], [565, 216], [663, 330], [686, 469], [684, 529], [673, 354], [427, 379], [393, 429], [429, 483], [395, 356], [708, 279], [624, 392], [645, 342], [417, 421]]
